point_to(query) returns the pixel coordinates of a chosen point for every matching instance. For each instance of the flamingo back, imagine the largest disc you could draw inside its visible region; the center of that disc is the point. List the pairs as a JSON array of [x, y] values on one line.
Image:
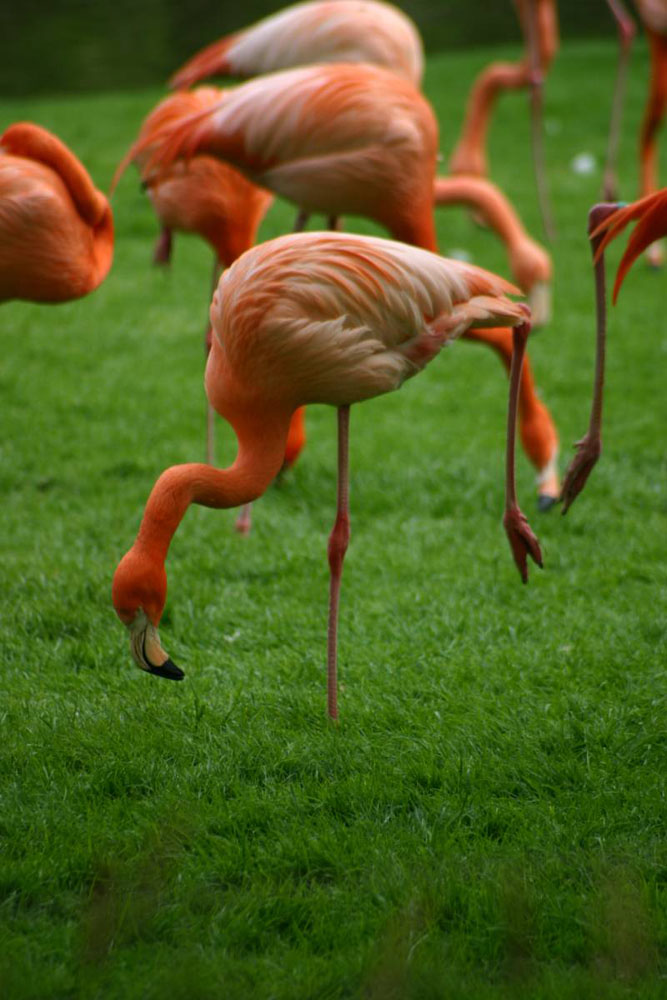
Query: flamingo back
[[335, 139], [338, 318], [321, 31], [56, 228]]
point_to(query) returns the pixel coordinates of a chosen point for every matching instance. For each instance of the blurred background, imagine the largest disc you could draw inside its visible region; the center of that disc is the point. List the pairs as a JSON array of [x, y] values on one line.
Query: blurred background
[[65, 46]]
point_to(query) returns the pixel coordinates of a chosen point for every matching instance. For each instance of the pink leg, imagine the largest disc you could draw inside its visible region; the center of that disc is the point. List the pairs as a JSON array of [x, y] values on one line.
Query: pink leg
[[590, 446], [210, 412], [338, 542], [521, 538]]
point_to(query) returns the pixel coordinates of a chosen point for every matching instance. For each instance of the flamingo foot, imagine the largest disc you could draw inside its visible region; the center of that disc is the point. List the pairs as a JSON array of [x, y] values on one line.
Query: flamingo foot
[[523, 542], [580, 468]]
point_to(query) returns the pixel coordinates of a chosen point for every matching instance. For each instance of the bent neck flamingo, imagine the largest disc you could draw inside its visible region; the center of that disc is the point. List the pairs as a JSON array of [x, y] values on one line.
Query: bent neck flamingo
[[313, 318]]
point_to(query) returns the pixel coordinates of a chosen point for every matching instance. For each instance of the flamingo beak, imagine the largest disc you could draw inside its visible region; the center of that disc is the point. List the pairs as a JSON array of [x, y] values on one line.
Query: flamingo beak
[[147, 651]]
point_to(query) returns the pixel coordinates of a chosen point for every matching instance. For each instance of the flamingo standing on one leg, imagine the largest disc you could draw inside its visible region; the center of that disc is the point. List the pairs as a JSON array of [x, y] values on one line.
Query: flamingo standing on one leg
[[320, 31], [56, 228], [313, 318], [605, 222], [339, 139], [539, 24]]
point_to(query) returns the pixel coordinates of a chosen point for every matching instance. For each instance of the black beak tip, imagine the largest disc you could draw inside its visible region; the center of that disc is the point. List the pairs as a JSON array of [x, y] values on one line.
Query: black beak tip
[[168, 670], [546, 502]]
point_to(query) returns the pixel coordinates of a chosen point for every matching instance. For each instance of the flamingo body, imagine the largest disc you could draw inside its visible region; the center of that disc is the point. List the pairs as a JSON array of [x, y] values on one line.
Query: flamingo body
[[340, 139], [205, 196], [321, 31], [308, 318], [56, 228]]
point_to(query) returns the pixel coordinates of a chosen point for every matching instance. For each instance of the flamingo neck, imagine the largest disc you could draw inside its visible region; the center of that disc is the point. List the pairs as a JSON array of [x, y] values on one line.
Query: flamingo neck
[[417, 229], [484, 196], [35, 143], [259, 459]]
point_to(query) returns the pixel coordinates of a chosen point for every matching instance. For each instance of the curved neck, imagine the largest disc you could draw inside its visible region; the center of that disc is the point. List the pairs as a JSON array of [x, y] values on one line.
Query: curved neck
[[484, 196], [35, 143], [260, 456]]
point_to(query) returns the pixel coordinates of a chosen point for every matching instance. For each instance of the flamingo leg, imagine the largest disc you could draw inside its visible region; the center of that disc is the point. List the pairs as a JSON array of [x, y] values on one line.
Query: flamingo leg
[[536, 120], [590, 446], [539, 437], [523, 542], [301, 221], [338, 542], [626, 34], [163, 247], [210, 412]]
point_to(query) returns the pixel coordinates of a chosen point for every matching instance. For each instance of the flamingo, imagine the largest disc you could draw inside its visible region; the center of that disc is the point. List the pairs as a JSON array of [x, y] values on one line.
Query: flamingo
[[605, 222], [539, 24], [320, 31], [314, 318], [56, 228], [338, 139]]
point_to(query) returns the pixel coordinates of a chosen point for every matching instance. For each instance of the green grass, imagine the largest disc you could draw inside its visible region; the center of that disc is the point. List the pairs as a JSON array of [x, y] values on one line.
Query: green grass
[[488, 819]]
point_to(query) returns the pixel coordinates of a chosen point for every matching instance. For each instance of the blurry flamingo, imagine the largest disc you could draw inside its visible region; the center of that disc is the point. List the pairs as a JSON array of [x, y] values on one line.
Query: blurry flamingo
[[539, 24], [320, 31], [529, 262], [313, 318], [605, 222], [56, 228], [211, 199], [339, 139]]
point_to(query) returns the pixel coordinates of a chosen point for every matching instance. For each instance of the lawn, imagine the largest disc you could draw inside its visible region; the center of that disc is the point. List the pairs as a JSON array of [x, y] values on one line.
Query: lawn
[[488, 819]]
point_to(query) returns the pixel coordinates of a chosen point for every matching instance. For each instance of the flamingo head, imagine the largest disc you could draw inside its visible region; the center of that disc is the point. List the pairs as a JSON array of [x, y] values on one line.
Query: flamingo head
[[139, 591]]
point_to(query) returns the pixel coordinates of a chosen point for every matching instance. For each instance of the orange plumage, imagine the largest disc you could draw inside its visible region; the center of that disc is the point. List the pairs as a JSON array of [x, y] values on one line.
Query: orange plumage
[[56, 228], [312, 318], [339, 139], [650, 213], [321, 31]]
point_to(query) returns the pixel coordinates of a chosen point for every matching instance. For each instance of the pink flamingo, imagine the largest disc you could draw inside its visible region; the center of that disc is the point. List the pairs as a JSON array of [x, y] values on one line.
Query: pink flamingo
[[339, 139], [313, 318], [321, 31], [56, 228]]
